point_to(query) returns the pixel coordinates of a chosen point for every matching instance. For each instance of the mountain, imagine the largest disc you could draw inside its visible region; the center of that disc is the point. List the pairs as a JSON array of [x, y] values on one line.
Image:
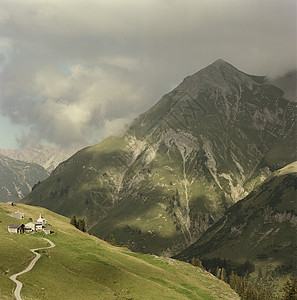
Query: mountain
[[288, 84], [47, 156], [261, 229], [17, 178], [180, 165], [81, 266]]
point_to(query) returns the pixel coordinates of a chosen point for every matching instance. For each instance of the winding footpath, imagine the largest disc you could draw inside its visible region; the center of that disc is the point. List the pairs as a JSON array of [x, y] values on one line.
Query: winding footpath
[[17, 292]]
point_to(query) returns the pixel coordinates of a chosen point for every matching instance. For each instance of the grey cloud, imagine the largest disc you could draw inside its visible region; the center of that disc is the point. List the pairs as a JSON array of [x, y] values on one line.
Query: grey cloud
[[124, 55]]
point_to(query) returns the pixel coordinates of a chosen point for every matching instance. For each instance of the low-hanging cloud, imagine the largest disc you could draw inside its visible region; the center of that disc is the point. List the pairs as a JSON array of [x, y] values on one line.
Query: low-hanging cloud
[[73, 72]]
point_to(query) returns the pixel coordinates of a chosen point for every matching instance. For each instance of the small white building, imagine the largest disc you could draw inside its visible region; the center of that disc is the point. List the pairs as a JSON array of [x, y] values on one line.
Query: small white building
[[33, 226], [16, 228], [46, 230], [42, 220], [18, 215]]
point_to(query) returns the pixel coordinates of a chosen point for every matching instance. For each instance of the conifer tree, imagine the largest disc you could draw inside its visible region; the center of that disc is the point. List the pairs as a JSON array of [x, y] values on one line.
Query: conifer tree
[[81, 225], [112, 240], [260, 276], [199, 263], [290, 289], [218, 272], [250, 292], [233, 281], [264, 294], [73, 221], [223, 275], [196, 262]]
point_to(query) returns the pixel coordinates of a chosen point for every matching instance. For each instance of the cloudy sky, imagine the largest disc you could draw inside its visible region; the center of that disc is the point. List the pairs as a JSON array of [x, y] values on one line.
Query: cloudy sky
[[76, 71]]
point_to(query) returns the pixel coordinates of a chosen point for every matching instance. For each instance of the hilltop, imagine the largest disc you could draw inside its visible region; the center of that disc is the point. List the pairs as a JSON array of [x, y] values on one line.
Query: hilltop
[[82, 266]]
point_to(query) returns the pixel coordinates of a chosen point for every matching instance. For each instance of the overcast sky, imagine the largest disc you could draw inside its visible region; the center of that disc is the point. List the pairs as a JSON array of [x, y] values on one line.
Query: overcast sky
[[76, 71]]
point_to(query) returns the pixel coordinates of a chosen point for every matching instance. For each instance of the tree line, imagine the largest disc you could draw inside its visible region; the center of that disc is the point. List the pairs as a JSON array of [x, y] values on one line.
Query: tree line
[[249, 291], [78, 223]]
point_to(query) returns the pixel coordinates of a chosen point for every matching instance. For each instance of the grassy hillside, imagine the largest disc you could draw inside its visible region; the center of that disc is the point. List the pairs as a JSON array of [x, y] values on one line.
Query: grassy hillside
[[261, 228], [84, 267]]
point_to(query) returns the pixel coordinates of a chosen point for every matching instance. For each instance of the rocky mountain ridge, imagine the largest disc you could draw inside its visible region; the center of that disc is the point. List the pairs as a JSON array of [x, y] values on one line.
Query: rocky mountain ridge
[[180, 165], [48, 157], [17, 178]]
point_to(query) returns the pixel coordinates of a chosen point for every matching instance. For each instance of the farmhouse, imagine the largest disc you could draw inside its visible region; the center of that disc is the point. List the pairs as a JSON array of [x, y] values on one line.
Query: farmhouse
[[18, 215], [16, 228], [33, 226]]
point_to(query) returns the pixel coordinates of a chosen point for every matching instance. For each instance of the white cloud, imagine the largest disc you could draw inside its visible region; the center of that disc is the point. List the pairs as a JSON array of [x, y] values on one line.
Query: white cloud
[[76, 70]]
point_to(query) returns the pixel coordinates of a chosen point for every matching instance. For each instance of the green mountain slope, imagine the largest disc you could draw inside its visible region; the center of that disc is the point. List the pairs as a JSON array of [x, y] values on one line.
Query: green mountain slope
[[261, 228], [83, 267], [180, 165], [17, 178]]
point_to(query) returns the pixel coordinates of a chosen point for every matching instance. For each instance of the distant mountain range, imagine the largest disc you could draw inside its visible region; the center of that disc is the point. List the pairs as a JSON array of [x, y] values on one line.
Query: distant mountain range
[[261, 228], [47, 156], [18, 177], [181, 165]]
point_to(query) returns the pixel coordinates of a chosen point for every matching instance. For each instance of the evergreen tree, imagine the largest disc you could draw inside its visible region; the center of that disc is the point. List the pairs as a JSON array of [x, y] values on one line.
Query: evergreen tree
[[73, 221], [250, 292], [260, 276], [290, 289], [196, 262], [112, 240], [264, 294], [223, 275], [218, 272], [81, 225], [233, 281]]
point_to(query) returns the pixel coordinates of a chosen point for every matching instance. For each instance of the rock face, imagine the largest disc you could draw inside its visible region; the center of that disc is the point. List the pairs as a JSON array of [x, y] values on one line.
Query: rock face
[[261, 228], [47, 156], [180, 165], [17, 178]]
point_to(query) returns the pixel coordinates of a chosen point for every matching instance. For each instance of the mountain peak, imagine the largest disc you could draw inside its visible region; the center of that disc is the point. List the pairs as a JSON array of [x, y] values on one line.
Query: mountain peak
[[221, 76], [221, 66], [220, 62]]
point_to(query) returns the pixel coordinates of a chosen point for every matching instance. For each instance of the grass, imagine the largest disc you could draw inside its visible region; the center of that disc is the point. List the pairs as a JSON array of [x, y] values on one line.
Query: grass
[[82, 266]]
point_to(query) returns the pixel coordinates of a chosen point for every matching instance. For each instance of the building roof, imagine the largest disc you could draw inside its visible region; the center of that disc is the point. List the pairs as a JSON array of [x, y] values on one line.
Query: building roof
[[33, 223], [13, 225]]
